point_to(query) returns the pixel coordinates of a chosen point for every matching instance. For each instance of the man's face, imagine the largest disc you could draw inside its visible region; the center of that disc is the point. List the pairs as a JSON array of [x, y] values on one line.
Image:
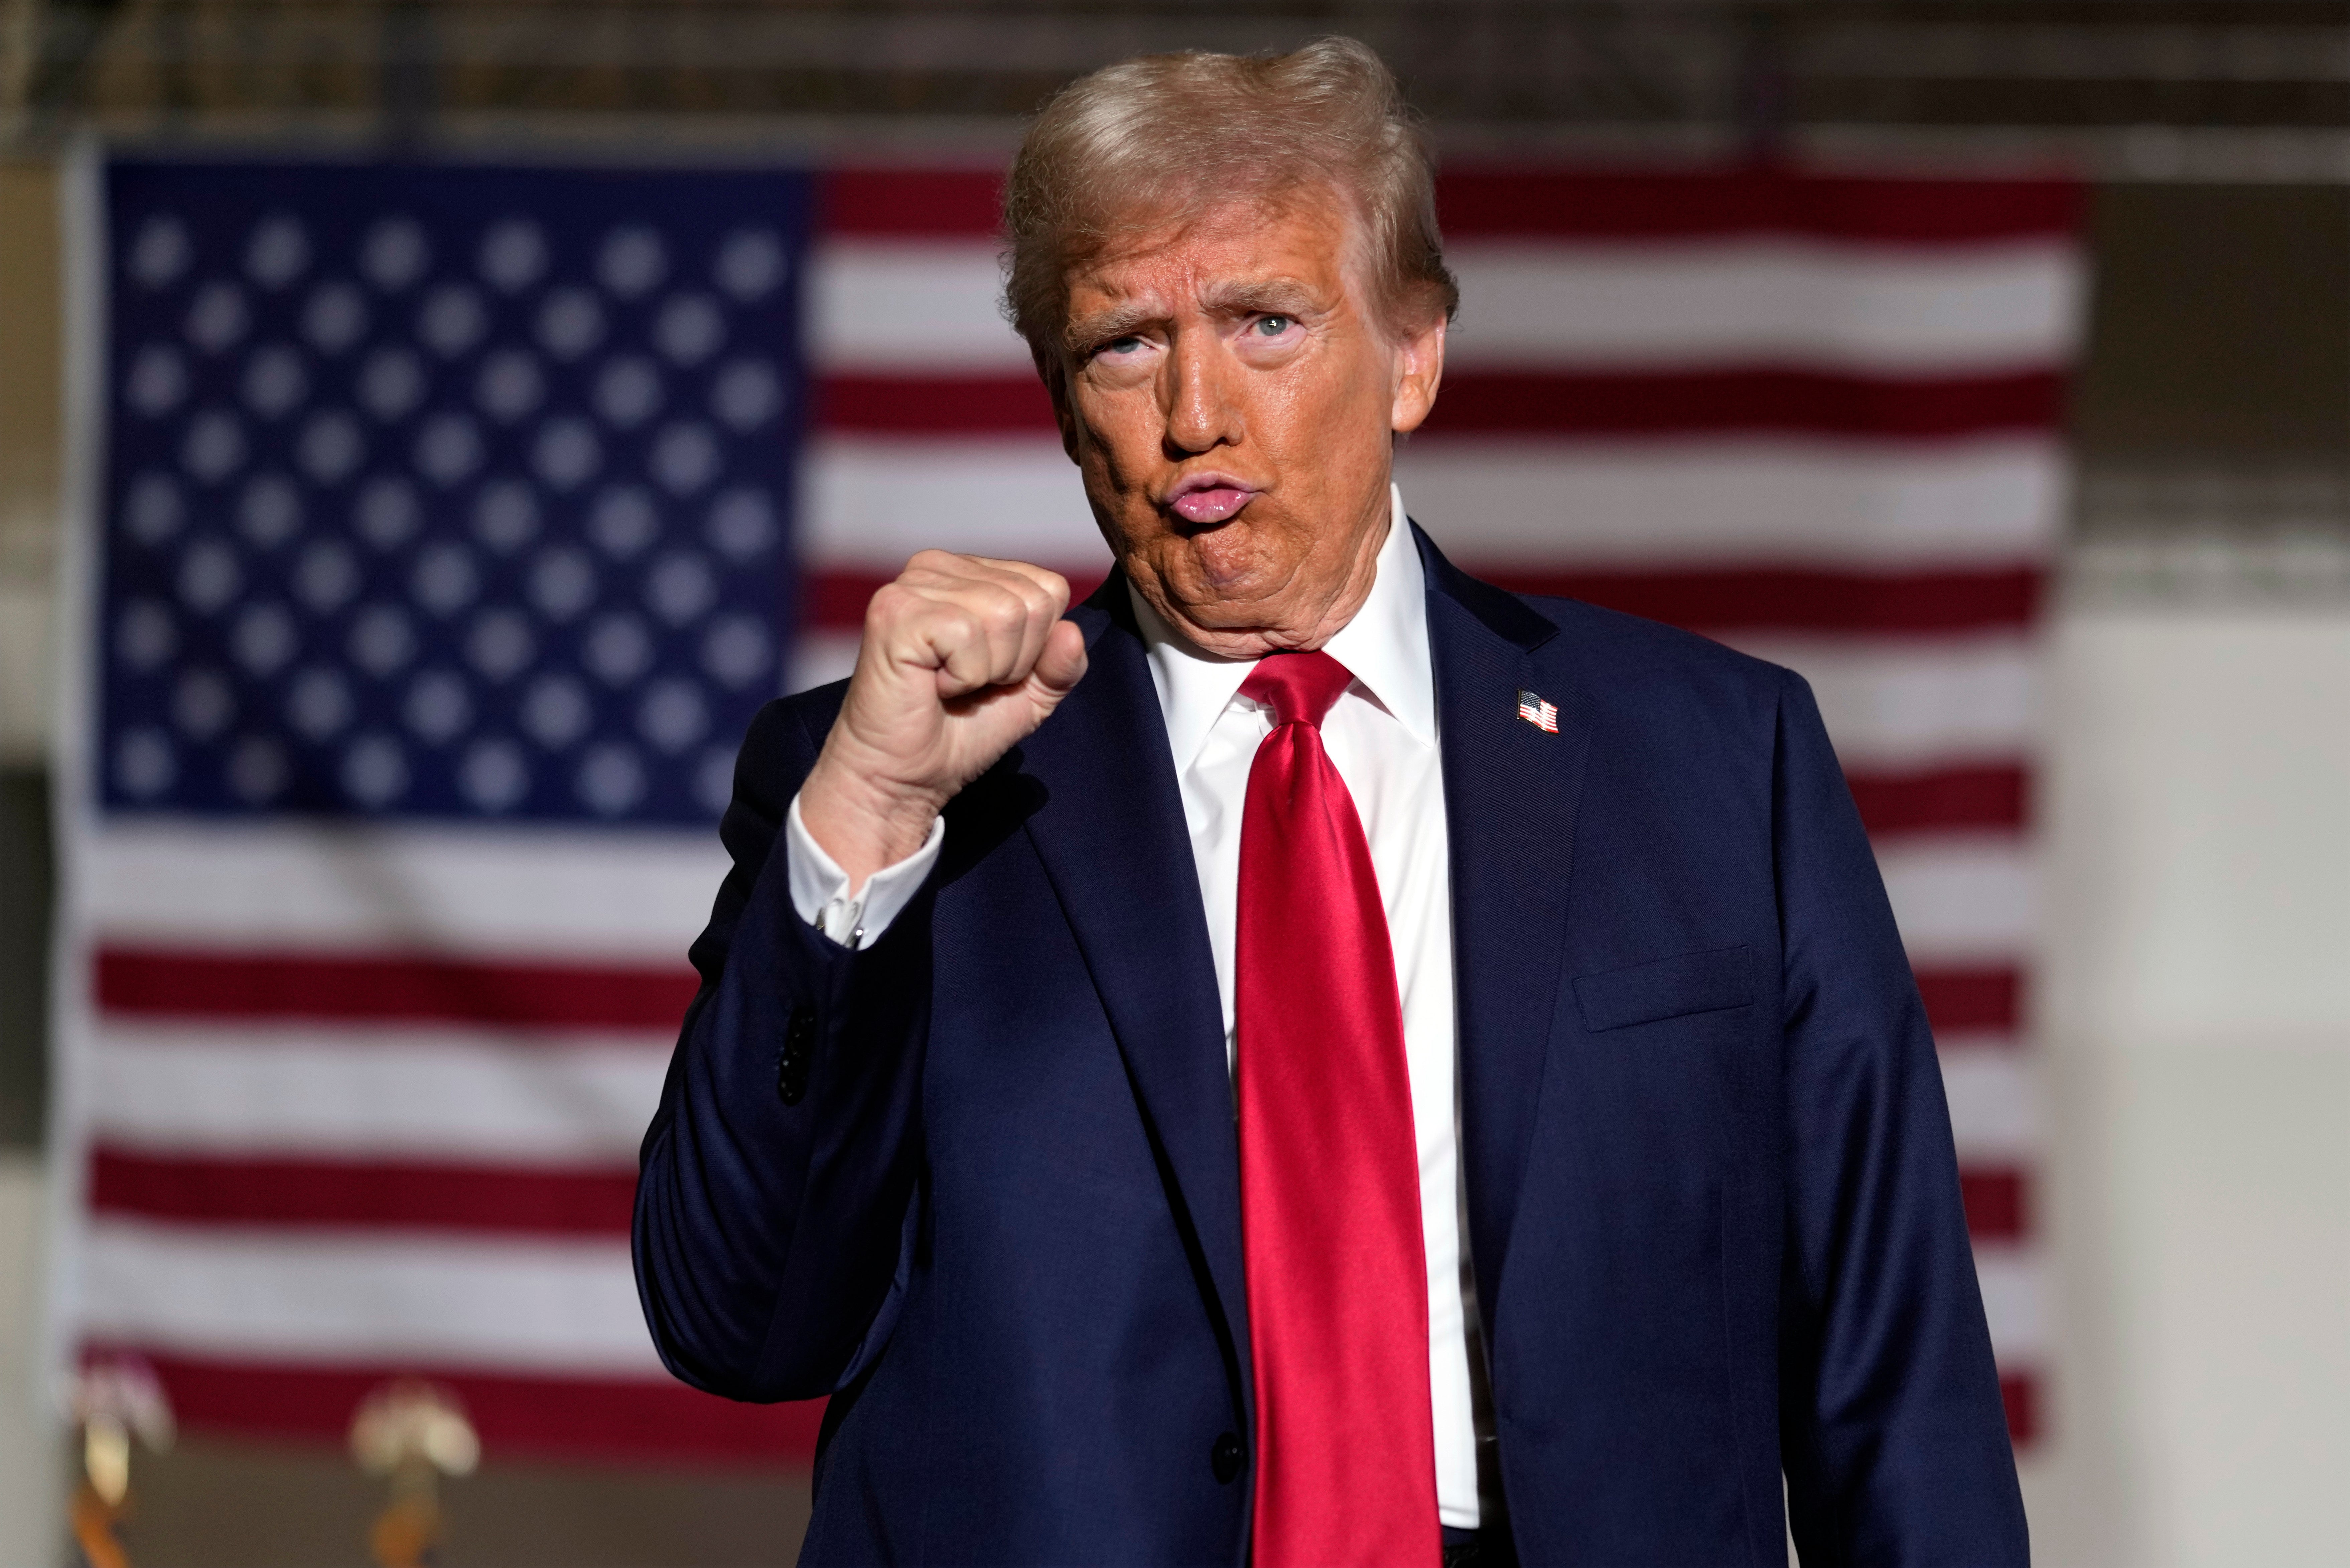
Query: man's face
[[1230, 393]]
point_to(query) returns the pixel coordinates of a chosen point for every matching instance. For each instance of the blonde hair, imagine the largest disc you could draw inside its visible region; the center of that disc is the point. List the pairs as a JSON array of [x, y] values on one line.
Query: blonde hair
[[1162, 138]]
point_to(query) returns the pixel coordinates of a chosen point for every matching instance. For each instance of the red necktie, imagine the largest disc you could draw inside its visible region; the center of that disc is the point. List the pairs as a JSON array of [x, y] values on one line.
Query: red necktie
[[1337, 1273]]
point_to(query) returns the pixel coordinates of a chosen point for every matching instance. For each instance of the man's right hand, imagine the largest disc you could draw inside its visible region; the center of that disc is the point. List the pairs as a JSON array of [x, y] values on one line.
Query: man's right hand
[[962, 658]]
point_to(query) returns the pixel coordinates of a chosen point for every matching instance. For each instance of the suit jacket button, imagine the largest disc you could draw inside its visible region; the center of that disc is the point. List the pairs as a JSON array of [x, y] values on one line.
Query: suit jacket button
[[1225, 1459]]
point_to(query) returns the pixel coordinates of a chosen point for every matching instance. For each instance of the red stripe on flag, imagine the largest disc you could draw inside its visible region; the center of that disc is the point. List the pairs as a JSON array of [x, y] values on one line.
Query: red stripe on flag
[[909, 203], [1940, 799], [2020, 1393], [1478, 403], [1971, 1002], [1995, 1196], [157, 982], [1560, 204], [601, 1419], [362, 1194], [1749, 401], [1563, 205], [935, 405], [1750, 599]]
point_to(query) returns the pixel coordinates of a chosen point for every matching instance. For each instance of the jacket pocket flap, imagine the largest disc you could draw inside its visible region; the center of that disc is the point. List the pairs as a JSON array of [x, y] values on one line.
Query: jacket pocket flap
[[1666, 988]]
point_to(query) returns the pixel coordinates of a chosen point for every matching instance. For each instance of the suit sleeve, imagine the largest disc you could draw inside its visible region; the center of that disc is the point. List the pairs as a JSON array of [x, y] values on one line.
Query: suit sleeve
[[1893, 1435], [774, 1183]]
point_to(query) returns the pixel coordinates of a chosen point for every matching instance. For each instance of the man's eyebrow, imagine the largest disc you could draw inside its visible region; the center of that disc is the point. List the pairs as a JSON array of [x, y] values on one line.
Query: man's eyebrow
[[1109, 322], [1282, 295]]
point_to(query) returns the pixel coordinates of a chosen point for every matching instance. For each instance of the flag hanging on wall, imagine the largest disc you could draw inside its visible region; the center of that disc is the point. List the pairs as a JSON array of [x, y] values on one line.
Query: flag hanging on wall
[[450, 523]]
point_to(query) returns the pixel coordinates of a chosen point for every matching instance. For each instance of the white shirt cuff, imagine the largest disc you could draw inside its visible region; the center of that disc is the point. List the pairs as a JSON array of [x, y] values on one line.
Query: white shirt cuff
[[820, 891]]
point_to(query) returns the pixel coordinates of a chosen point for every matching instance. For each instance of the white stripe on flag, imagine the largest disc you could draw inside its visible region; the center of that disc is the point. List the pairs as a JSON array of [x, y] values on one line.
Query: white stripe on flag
[[909, 306], [2015, 1301], [870, 503], [1557, 505], [821, 657], [512, 1304], [1725, 302], [1994, 1104], [1964, 898], [1961, 1042], [1913, 703], [358, 1091], [916, 306], [585, 894]]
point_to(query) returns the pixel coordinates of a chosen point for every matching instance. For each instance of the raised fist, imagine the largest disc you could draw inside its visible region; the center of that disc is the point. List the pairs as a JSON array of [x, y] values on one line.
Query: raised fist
[[962, 658]]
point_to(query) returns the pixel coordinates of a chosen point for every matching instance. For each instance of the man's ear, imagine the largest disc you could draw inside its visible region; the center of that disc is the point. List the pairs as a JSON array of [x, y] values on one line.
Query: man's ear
[[1418, 368]]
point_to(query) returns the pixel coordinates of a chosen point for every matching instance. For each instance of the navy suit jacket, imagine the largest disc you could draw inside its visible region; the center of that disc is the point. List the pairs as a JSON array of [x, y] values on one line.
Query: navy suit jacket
[[979, 1182]]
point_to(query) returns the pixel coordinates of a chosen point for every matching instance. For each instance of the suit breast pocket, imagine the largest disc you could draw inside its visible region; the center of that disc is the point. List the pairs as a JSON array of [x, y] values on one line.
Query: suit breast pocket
[[1665, 988]]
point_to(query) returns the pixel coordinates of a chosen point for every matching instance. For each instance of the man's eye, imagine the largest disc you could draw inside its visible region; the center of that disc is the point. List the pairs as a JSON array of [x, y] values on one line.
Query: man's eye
[[1120, 346], [1274, 326]]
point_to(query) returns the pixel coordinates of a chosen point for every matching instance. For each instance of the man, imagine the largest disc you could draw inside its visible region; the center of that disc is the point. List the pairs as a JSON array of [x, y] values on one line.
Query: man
[[1310, 1059]]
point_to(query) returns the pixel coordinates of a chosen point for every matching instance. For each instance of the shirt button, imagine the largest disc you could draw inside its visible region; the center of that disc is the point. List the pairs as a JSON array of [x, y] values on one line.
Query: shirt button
[[1225, 1457]]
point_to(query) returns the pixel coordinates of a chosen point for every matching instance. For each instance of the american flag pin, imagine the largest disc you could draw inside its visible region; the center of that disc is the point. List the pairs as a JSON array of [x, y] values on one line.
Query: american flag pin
[[1542, 715]]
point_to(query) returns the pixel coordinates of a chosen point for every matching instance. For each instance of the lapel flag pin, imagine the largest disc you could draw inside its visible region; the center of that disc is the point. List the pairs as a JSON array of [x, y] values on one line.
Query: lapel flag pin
[[1542, 715]]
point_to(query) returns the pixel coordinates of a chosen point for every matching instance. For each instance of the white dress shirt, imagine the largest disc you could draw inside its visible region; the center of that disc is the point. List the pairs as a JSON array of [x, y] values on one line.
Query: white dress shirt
[[1381, 736]]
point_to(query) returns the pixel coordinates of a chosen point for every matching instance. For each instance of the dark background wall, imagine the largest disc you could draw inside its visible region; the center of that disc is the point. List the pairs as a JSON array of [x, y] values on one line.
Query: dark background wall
[[2220, 328]]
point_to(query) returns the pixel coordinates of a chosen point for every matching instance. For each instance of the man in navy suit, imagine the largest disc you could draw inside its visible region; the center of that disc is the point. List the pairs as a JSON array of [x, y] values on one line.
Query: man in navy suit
[[1307, 1057]]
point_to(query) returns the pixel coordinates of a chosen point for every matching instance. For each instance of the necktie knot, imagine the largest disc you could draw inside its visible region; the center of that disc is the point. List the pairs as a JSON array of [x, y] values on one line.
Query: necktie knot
[[1299, 687]]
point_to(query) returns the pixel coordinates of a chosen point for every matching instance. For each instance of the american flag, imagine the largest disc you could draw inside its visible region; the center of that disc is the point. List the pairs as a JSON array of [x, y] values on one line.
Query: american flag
[[1534, 711], [448, 523]]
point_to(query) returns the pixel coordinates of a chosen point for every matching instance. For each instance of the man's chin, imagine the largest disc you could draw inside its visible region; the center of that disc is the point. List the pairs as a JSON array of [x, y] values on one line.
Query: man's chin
[[1229, 626], [1234, 600], [1229, 563]]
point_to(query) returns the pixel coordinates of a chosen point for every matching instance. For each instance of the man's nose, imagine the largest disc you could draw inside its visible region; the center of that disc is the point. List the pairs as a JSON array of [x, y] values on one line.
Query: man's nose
[[1203, 408]]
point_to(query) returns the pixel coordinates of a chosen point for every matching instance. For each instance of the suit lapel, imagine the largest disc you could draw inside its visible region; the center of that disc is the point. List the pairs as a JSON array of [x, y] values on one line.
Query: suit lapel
[[1112, 838], [1511, 792]]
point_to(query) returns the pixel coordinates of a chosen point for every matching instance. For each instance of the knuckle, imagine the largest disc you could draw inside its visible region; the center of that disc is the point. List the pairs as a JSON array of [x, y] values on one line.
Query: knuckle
[[1007, 612], [1036, 599], [953, 627]]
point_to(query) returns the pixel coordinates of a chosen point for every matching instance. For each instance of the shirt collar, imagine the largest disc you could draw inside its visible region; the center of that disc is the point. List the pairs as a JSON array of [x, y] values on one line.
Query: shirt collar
[[1385, 647]]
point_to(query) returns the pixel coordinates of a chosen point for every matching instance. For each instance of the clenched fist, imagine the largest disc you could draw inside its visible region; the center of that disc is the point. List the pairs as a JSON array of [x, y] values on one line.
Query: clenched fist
[[962, 656]]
